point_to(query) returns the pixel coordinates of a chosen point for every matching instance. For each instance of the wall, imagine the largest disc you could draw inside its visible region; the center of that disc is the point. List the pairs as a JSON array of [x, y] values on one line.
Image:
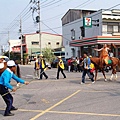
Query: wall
[[45, 39]]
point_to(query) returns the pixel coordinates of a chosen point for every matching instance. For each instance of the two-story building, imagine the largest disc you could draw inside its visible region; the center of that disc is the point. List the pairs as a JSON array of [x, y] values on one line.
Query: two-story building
[[31, 43], [104, 27]]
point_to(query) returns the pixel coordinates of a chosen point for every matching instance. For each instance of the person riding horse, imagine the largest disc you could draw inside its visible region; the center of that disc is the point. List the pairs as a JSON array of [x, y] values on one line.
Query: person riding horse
[[104, 53]]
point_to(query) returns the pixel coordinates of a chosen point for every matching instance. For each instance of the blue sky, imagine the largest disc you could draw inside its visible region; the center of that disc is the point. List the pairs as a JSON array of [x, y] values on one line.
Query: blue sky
[[51, 14]]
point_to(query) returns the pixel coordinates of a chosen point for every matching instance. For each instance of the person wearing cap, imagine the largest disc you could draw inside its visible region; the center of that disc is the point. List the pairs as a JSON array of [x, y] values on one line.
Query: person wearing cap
[[86, 63], [5, 79], [42, 67], [60, 68]]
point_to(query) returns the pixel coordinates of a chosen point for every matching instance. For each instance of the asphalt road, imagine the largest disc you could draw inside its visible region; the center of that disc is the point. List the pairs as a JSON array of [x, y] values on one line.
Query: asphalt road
[[65, 99]]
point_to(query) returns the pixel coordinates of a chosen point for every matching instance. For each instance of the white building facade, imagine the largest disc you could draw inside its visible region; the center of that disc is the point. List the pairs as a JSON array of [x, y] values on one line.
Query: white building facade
[[31, 42]]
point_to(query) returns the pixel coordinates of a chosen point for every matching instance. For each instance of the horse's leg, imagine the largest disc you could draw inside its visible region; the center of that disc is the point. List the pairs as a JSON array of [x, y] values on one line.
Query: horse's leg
[[96, 71], [104, 74], [115, 73]]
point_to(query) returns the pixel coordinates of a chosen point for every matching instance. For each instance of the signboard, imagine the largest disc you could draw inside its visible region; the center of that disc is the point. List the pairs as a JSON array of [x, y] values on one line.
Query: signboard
[[16, 49], [87, 22]]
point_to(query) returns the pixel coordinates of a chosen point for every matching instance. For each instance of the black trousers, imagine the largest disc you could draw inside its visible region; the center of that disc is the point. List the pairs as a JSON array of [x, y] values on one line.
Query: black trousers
[[60, 69], [43, 73], [7, 98], [88, 73]]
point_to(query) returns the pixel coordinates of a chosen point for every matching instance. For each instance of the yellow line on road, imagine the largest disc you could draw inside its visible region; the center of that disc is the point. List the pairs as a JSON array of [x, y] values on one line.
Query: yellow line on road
[[30, 110], [54, 105], [82, 113], [73, 113]]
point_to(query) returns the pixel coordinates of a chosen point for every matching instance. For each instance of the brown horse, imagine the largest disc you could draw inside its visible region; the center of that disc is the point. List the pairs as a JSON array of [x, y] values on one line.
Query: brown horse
[[100, 64]]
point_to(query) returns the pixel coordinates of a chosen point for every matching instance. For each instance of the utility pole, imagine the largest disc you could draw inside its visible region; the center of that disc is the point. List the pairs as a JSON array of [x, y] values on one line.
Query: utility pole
[[37, 20], [20, 30], [9, 44], [39, 27]]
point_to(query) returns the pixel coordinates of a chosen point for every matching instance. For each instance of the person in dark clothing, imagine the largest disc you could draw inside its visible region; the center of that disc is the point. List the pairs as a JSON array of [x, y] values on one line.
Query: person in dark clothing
[[42, 67], [17, 72]]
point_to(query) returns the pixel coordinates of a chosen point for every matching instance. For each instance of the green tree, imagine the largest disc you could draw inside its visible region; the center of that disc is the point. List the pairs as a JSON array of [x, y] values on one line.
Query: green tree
[[48, 54]]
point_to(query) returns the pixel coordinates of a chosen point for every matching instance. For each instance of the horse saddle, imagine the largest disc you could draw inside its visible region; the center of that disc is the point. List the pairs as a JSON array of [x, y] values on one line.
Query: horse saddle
[[109, 61]]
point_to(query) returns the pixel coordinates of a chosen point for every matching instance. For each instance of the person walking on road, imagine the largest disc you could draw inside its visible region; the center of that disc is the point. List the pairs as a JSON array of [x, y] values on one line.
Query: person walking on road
[[87, 69], [17, 72], [42, 67], [60, 68], [36, 68]]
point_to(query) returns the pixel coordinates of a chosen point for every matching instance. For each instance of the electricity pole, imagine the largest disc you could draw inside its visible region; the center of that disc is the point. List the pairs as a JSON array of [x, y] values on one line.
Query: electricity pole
[[9, 44], [21, 51], [39, 27], [37, 20]]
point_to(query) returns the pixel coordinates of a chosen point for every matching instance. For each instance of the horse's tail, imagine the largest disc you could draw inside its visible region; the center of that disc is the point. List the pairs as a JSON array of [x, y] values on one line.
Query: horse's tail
[[118, 63]]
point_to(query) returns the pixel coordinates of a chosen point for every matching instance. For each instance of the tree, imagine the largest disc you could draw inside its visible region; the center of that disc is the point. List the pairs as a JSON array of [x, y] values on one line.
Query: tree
[[48, 54]]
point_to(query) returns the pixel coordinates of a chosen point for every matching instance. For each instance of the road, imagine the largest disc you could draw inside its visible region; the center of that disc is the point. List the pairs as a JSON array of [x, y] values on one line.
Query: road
[[65, 99]]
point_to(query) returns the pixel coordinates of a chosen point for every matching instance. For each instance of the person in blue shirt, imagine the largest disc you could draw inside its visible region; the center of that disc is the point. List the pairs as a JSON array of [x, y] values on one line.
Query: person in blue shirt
[[86, 63], [5, 79]]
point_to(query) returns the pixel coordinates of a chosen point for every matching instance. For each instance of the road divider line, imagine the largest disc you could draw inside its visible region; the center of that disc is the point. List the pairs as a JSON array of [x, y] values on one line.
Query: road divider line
[[73, 113], [85, 113], [45, 111]]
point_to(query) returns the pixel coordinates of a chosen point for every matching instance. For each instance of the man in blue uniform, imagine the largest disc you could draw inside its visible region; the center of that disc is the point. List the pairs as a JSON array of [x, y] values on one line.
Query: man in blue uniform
[[5, 79]]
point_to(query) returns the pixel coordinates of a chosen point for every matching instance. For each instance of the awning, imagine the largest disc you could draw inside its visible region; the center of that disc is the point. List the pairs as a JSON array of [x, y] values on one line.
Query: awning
[[96, 40]]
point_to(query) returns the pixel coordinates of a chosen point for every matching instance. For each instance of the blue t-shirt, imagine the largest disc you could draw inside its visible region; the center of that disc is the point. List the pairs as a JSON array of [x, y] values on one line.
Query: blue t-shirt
[[6, 76]]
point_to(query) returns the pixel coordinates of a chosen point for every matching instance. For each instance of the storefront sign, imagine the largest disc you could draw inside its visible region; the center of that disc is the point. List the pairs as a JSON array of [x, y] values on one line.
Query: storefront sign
[[87, 21]]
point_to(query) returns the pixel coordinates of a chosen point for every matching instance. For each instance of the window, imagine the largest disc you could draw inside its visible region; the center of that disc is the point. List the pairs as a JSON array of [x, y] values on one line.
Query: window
[[110, 28], [104, 28], [35, 43], [115, 28], [49, 43], [73, 34], [57, 43], [82, 29]]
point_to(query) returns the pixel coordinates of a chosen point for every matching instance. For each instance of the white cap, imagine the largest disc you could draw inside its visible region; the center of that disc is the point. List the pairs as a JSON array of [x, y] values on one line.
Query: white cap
[[10, 63], [1, 65]]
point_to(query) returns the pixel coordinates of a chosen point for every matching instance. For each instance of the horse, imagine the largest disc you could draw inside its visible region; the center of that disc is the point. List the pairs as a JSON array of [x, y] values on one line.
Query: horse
[[100, 64]]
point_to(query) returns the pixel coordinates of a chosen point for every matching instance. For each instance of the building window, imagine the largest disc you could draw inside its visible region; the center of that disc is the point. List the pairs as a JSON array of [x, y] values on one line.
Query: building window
[[73, 34], [82, 29], [115, 29], [35, 43], [49, 43], [110, 29], [104, 28], [57, 43]]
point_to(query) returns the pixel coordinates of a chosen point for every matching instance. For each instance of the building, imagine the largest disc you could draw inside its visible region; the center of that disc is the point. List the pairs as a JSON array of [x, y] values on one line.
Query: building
[[31, 42], [12, 44], [103, 27]]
